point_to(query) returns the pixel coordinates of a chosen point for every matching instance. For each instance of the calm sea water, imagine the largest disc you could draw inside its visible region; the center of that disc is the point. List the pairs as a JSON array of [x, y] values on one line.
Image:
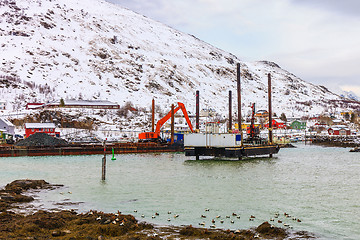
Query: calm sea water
[[320, 186]]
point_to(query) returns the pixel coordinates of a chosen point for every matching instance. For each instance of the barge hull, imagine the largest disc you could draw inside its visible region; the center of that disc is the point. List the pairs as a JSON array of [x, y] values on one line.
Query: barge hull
[[232, 152], [122, 148]]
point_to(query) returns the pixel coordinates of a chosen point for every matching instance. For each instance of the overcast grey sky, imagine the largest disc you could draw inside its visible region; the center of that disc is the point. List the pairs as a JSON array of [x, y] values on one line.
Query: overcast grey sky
[[317, 40]]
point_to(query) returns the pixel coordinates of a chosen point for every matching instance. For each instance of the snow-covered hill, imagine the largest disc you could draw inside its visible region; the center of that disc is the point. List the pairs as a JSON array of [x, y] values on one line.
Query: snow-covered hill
[[349, 95], [71, 49]]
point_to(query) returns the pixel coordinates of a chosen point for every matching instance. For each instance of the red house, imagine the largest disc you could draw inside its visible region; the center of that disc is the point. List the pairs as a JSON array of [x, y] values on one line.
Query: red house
[[276, 123], [339, 131], [49, 128]]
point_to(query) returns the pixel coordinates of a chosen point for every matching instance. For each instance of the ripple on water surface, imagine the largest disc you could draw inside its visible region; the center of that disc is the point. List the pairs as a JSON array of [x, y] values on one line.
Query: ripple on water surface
[[315, 184]]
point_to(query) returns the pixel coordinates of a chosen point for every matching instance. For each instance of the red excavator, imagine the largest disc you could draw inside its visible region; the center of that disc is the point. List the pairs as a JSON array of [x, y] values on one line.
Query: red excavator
[[155, 136]]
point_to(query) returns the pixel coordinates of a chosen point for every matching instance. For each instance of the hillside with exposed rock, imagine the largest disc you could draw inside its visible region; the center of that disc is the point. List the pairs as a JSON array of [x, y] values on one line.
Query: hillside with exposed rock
[[96, 50]]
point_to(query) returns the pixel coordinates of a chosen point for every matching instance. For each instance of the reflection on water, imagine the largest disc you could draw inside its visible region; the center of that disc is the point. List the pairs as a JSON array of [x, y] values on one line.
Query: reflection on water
[[317, 185], [235, 161]]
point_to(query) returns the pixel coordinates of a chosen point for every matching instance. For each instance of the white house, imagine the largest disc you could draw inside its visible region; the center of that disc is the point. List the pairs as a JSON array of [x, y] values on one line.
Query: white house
[[7, 126], [2, 105]]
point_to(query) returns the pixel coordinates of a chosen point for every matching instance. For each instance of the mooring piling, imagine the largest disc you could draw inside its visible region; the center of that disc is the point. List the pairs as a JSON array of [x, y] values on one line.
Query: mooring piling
[[104, 163]]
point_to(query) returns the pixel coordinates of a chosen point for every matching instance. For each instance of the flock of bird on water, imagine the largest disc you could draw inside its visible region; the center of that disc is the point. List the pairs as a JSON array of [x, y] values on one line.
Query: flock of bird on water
[[220, 219]]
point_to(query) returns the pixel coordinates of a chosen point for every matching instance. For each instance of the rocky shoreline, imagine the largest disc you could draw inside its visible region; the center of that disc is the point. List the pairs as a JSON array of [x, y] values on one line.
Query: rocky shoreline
[[69, 224], [341, 141]]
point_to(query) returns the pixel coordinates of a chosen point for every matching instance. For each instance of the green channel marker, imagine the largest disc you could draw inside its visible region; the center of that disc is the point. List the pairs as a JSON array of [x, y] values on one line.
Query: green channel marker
[[113, 157]]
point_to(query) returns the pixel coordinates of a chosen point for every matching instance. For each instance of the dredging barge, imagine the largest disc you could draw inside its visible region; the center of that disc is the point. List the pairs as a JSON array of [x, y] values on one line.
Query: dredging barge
[[87, 149], [224, 145], [231, 145]]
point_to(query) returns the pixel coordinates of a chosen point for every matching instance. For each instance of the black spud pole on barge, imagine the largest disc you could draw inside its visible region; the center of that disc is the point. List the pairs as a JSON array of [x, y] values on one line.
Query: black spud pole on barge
[[270, 112], [230, 112], [239, 105], [153, 116], [197, 111], [172, 124]]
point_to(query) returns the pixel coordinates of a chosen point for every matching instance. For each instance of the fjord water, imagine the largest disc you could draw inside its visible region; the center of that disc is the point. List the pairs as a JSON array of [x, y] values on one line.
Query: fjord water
[[320, 186]]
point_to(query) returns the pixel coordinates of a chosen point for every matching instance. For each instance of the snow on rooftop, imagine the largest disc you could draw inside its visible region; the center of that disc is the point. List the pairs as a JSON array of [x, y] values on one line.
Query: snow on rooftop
[[39, 125], [89, 103], [7, 122]]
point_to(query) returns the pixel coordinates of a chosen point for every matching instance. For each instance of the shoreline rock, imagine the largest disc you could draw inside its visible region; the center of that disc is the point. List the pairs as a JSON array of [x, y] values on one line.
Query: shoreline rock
[[68, 224], [12, 193], [355, 149], [340, 141]]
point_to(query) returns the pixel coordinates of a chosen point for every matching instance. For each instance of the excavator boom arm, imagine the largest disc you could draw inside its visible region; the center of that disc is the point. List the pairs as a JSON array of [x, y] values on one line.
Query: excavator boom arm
[[181, 105], [162, 121]]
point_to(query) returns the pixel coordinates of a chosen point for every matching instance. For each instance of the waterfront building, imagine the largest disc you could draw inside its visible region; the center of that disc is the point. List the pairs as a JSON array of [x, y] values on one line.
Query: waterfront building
[[7, 126], [262, 114], [34, 105], [49, 128], [276, 124], [297, 124], [99, 104], [339, 130]]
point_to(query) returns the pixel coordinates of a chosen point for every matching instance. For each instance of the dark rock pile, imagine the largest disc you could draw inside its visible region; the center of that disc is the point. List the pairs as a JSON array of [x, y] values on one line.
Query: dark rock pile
[[41, 139]]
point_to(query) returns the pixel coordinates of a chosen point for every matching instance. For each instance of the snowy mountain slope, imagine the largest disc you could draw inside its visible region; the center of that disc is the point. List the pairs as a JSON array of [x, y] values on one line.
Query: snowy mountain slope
[[350, 95], [54, 49]]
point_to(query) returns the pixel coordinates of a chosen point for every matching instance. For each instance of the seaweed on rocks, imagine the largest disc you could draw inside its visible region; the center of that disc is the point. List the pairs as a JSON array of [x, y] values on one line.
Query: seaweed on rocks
[[12, 193], [271, 232], [68, 224]]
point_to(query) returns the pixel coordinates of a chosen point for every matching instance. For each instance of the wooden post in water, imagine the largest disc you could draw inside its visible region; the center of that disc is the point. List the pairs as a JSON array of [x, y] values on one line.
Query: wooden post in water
[[172, 123], [104, 163], [239, 105], [230, 111], [153, 116], [270, 112]]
